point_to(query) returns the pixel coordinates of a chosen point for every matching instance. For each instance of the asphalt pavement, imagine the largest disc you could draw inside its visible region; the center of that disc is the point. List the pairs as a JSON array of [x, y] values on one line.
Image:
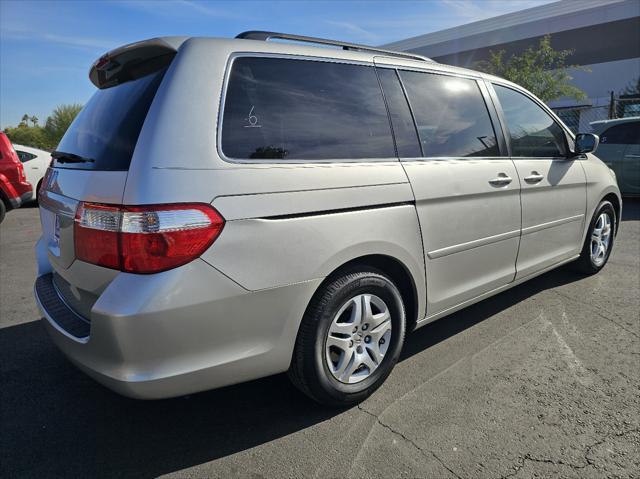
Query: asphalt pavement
[[540, 381]]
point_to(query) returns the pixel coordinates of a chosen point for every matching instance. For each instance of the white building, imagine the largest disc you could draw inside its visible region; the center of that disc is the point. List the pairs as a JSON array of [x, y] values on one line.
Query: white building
[[604, 34]]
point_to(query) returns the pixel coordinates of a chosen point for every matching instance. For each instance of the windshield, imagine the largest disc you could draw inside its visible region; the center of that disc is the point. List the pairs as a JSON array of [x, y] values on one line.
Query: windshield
[[107, 128]]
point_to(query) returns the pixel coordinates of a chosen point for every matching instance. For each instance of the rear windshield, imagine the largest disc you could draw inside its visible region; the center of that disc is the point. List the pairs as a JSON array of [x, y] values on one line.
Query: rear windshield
[[107, 128]]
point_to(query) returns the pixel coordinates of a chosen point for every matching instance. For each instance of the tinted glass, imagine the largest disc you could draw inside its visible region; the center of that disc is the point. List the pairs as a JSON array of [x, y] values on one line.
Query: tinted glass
[[404, 130], [24, 156], [533, 132], [304, 110], [107, 128], [625, 134], [451, 115]]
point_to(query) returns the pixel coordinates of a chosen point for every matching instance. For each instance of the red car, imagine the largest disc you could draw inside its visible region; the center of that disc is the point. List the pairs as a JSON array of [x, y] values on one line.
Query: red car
[[14, 188]]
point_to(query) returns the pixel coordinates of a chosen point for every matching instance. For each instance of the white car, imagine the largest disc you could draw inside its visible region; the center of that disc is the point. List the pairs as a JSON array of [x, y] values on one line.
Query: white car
[[35, 164]]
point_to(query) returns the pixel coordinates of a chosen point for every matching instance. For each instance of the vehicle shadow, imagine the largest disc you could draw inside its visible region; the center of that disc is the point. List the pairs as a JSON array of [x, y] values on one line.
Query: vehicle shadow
[[630, 209], [55, 421]]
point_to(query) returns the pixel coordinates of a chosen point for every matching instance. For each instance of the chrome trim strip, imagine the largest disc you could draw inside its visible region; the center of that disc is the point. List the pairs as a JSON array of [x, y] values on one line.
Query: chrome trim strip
[[550, 224], [439, 253]]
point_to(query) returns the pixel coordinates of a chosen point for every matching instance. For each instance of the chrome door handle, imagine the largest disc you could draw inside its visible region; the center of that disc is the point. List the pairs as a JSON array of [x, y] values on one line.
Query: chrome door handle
[[501, 180], [534, 177], [632, 156]]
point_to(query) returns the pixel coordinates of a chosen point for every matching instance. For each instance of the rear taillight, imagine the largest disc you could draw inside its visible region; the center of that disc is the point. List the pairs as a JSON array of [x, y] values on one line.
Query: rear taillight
[[144, 239], [22, 177]]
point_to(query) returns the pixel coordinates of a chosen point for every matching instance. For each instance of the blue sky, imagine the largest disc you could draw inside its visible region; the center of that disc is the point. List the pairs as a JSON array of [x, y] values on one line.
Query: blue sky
[[46, 47]]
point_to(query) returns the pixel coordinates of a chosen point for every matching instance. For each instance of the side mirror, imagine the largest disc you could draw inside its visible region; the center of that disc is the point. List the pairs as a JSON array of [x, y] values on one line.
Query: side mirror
[[586, 143]]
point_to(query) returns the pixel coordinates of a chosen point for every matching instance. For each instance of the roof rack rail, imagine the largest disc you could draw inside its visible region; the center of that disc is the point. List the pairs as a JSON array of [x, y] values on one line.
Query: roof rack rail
[[265, 36]]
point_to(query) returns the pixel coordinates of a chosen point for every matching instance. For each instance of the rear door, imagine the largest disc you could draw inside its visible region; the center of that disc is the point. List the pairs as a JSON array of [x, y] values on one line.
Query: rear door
[[93, 160], [466, 191], [553, 186]]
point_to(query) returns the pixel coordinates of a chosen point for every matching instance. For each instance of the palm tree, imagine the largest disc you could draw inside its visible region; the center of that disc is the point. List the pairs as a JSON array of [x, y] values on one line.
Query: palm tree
[[34, 120]]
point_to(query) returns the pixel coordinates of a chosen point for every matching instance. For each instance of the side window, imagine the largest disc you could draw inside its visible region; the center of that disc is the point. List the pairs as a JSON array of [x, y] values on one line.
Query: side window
[[278, 108], [404, 129], [533, 132], [24, 156], [451, 116], [624, 134]]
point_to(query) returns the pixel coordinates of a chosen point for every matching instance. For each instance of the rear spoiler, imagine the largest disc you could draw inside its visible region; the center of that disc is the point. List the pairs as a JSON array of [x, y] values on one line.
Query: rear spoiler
[[133, 61]]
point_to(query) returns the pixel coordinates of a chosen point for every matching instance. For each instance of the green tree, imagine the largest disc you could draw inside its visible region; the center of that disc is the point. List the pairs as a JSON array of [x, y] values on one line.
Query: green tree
[[633, 88], [47, 137], [33, 136], [543, 71], [57, 124]]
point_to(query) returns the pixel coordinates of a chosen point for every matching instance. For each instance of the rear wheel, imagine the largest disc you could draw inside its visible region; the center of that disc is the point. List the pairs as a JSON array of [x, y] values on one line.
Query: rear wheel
[[350, 338], [599, 241]]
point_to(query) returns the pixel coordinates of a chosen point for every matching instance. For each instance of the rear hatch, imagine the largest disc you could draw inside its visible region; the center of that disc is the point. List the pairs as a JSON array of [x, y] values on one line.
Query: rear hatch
[[91, 162]]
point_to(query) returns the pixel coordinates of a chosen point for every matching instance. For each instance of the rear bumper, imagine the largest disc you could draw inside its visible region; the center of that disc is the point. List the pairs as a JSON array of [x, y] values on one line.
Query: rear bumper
[[177, 332], [22, 199], [16, 194]]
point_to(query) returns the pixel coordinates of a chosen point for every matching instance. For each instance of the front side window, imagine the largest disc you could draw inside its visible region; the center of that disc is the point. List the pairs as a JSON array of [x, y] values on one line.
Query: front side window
[[451, 116], [624, 134], [287, 109], [533, 132]]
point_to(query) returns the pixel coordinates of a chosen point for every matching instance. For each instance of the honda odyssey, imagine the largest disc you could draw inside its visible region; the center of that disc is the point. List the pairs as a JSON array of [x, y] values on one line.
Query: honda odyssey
[[226, 209]]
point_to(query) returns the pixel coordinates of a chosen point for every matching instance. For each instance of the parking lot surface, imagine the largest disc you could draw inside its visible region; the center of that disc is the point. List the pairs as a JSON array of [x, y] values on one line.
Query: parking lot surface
[[542, 380]]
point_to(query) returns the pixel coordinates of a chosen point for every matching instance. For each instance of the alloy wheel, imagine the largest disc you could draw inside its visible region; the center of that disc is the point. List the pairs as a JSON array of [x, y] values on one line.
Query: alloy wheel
[[358, 338], [600, 239]]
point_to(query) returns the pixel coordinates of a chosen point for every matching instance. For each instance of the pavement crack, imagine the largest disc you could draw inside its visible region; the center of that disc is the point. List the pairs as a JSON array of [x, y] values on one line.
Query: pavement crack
[[597, 311], [559, 462], [602, 441], [422, 451]]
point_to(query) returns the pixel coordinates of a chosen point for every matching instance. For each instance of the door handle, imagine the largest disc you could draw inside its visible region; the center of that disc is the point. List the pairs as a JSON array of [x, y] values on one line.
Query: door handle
[[501, 180], [534, 177], [632, 156]]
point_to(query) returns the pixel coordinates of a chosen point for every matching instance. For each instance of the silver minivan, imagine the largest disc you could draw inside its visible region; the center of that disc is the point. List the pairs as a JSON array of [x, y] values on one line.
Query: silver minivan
[[226, 209]]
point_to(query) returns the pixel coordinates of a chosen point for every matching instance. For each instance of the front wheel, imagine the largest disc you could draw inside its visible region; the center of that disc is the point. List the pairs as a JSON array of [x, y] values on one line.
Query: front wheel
[[599, 241], [350, 338]]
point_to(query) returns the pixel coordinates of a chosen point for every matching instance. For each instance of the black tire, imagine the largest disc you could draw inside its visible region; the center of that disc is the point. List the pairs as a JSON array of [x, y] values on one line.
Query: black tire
[[309, 370], [3, 210], [585, 263]]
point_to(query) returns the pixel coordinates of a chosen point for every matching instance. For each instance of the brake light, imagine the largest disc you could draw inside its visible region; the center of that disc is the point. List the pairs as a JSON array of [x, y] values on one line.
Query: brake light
[[144, 239], [21, 176]]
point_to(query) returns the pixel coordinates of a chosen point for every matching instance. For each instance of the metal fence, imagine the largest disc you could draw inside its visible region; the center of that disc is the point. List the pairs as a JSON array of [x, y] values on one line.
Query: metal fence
[[580, 118]]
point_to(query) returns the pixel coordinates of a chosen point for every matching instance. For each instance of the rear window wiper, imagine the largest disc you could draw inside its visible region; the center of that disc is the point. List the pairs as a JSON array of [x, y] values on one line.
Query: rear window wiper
[[63, 157]]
